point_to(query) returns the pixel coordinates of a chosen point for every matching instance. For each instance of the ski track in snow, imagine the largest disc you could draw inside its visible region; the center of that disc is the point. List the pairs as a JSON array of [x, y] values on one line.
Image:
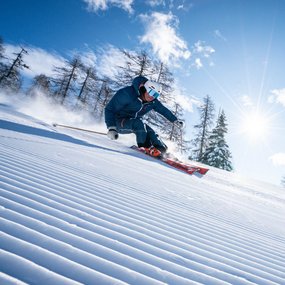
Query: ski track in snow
[[79, 209]]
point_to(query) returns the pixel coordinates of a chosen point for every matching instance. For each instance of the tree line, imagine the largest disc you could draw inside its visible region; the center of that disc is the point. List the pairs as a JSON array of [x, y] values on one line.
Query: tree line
[[79, 86]]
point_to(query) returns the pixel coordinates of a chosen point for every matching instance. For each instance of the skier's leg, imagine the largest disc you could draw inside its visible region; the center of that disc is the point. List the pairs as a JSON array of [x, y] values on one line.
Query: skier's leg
[[141, 133], [155, 140], [127, 126]]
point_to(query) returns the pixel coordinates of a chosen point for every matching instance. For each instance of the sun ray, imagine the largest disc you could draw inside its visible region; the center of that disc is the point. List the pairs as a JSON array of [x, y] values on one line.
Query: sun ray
[[222, 89], [261, 90]]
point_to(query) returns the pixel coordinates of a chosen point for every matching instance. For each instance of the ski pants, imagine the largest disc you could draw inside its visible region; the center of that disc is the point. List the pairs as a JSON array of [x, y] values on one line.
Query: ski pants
[[145, 135]]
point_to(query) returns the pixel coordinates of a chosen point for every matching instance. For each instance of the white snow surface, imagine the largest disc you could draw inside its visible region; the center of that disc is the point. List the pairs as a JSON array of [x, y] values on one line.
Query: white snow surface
[[77, 208]]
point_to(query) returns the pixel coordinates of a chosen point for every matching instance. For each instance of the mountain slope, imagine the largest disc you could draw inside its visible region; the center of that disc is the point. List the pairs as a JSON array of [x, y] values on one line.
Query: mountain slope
[[77, 208]]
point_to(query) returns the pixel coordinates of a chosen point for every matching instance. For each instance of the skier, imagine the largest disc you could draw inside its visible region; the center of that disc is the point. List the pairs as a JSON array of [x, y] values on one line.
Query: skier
[[124, 112]]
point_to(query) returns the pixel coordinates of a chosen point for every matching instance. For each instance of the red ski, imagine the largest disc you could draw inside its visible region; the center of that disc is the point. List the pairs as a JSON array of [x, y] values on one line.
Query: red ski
[[174, 162]]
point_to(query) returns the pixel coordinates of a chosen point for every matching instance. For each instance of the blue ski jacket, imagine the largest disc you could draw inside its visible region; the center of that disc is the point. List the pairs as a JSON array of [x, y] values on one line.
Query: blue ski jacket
[[126, 104]]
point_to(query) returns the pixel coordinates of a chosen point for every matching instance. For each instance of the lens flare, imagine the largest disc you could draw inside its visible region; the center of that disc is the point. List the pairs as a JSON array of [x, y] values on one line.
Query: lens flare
[[255, 126]]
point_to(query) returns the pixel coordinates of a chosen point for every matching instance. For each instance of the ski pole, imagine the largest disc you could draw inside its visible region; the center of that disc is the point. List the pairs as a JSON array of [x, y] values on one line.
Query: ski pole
[[79, 129]]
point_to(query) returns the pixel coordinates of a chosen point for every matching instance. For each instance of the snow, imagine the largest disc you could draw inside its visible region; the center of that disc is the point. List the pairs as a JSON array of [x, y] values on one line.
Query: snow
[[77, 208]]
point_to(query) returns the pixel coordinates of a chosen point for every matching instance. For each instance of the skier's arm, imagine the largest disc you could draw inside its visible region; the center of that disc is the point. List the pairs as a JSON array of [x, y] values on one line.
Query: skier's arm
[[165, 112]]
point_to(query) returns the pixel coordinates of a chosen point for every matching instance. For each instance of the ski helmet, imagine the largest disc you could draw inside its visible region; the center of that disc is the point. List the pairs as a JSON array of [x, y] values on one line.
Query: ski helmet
[[153, 88]]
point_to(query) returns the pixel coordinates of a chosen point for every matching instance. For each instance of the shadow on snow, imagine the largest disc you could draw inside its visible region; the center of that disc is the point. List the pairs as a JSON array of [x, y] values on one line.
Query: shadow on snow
[[7, 125]]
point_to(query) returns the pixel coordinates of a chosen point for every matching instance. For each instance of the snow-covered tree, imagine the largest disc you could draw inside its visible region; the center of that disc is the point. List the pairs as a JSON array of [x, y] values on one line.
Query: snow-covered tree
[[217, 154], [203, 129], [65, 78], [136, 63], [165, 77], [88, 88], [10, 78], [102, 97], [1, 48], [2, 58], [41, 83], [2, 51]]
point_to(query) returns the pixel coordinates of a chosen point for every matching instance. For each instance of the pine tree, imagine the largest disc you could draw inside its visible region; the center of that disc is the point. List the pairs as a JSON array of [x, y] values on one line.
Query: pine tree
[[89, 88], [217, 154], [136, 63], [102, 97], [108, 92], [203, 129], [65, 79], [41, 83], [3, 66], [10, 77], [1, 49], [165, 77], [2, 52], [173, 133]]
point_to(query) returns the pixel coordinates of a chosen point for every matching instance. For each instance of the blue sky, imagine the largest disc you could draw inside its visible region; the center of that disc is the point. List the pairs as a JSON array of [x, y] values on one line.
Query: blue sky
[[232, 50]]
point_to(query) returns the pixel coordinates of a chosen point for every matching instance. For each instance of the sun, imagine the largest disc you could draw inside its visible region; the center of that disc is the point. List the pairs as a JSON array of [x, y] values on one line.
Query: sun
[[255, 126]]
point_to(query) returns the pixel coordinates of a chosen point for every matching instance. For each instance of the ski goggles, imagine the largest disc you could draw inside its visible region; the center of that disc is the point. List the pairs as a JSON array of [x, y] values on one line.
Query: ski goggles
[[151, 92]]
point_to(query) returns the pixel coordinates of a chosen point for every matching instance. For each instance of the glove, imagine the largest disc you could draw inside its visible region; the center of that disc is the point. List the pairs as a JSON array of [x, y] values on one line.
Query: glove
[[112, 133], [179, 124]]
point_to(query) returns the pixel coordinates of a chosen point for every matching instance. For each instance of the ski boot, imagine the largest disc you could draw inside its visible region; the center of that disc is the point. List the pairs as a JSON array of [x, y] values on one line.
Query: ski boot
[[152, 151]]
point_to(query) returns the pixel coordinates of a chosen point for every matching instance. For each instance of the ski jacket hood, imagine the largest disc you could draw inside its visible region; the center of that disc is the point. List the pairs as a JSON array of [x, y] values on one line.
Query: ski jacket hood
[[137, 82]]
